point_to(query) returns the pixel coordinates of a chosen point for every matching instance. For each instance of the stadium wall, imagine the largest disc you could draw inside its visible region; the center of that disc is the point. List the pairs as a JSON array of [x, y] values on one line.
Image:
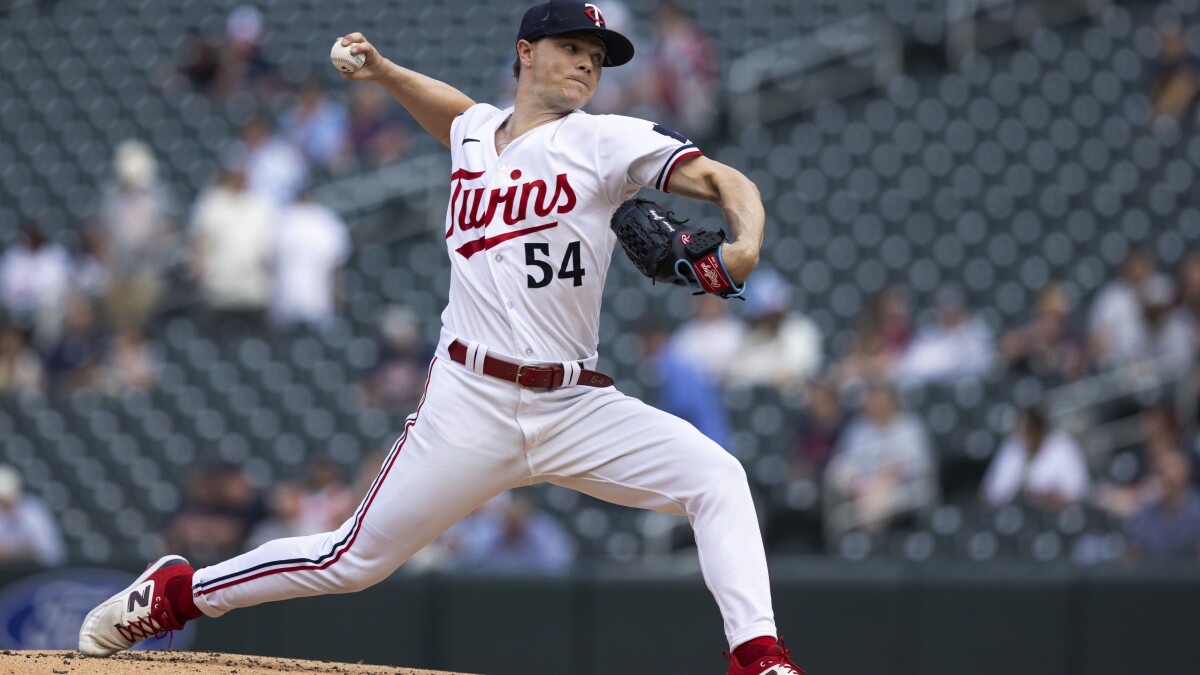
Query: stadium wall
[[839, 619]]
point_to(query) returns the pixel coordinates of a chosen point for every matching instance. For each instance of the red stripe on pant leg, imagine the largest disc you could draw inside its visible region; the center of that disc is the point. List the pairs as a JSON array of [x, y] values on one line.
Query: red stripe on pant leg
[[358, 526]]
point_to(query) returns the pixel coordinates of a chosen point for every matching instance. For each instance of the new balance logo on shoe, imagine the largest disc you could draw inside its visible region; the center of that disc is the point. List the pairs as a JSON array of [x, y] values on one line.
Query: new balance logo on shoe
[[141, 597]]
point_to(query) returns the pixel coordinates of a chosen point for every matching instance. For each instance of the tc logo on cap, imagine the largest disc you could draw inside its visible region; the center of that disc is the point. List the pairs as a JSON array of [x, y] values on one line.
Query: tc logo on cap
[[593, 13]]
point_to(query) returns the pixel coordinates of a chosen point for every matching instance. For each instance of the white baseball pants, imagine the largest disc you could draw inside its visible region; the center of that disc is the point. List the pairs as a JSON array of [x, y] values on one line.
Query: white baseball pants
[[474, 437]]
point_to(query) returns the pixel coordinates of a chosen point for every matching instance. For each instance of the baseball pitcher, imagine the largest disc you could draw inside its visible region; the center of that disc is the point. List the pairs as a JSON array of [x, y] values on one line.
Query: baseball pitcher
[[540, 194]]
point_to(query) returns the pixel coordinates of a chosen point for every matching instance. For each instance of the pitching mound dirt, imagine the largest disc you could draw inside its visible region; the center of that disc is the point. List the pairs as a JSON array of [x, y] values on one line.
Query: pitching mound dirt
[[173, 663]]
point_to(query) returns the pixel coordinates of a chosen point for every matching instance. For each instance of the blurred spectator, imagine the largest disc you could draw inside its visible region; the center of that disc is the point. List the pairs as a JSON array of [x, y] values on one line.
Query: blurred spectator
[[231, 248], [884, 333], [28, 532], [686, 72], [285, 518], [1116, 324], [521, 539], [326, 500], [1169, 528], [221, 508], [1139, 485], [1175, 89], [90, 278], [35, 279], [201, 64], [693, 363], [1161, 333], [315, 125], [465, 538], [243, 65], [958, 346], [379, 130], [1041, 466], [20, 367], [311, 246], [1189, 288], [130, 364], [398, 378], [1046, 346], [629, 88], [782, 348], [275, 170], [1169, 337], [883, 468], [135, 223], [712, 338], [77, 358], [820, 427], [688, 389]]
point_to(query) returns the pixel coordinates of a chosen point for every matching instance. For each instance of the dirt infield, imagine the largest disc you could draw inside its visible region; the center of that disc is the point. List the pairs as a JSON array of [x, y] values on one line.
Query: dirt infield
[[173, 663]]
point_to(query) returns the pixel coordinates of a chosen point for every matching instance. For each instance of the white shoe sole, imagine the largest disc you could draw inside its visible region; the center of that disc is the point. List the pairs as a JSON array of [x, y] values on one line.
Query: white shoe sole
[[87, 631]]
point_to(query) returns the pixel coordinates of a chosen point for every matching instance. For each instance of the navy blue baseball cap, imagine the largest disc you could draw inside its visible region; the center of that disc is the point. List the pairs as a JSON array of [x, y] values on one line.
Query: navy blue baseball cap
[[568, 16]]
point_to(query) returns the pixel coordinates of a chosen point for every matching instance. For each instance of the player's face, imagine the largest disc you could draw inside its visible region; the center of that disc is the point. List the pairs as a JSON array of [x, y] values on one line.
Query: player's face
[[566, 68]]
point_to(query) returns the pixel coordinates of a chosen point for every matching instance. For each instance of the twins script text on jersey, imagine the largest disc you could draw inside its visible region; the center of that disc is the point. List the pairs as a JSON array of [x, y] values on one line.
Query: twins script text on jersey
[[474, 208]]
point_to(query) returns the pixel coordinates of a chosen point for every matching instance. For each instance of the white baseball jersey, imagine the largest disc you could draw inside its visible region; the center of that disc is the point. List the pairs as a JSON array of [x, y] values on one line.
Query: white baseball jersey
[[528, 231]]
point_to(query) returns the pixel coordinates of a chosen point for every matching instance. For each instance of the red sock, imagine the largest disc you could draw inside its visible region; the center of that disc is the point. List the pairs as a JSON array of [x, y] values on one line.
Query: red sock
[[755, 649], [179, 596]]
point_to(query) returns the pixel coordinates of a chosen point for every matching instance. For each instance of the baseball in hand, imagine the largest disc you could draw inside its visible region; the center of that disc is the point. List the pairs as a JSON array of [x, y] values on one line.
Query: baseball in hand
[[343, 60]]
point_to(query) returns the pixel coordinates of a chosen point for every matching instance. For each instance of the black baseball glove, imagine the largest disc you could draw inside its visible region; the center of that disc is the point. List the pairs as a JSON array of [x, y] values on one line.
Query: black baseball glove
[[669, 251]]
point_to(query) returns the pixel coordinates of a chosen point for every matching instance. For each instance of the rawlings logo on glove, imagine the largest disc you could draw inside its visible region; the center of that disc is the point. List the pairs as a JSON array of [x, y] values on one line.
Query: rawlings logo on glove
[[667, 250]]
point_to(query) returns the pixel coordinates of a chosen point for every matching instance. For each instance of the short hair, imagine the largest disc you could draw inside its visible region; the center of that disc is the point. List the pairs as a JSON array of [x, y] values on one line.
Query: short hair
[[517, 68]]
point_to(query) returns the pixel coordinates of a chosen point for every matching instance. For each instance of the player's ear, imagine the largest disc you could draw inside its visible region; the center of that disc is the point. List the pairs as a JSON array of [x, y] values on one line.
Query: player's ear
[[525, 53]]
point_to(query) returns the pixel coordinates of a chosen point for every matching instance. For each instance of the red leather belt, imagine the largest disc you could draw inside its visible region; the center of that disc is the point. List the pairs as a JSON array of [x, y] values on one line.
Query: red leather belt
[[532, 376]]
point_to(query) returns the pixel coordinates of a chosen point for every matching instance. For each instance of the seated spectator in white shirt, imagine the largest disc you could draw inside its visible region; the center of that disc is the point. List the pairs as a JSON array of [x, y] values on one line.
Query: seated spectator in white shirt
[[1116, 325], [1042, 466], [782, 347], [883, 467], [35, 280], [231, 232], [311, 246], [958, 346], [28, 532]]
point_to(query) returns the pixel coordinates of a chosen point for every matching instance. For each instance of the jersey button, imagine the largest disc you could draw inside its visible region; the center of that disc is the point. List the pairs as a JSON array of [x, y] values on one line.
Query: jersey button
[[529, 351], [508, 304], [499, 257]]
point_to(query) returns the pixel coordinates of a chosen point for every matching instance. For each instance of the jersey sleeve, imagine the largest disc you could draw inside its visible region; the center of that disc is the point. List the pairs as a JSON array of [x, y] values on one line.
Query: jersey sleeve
[[635, 153], [469, 119]]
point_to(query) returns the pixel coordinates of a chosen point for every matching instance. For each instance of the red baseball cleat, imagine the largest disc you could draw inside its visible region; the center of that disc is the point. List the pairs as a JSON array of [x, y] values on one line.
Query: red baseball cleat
[[777, 661], [136, 613]]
